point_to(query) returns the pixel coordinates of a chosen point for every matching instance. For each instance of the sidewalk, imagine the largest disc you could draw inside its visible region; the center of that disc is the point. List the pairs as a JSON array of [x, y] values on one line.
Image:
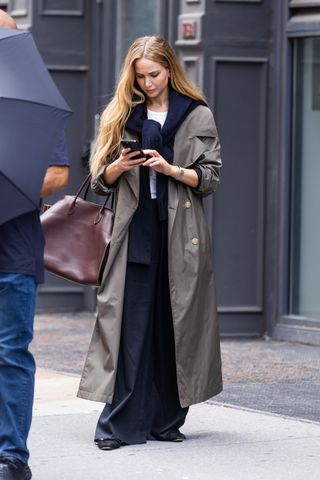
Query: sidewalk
[[223, 442]]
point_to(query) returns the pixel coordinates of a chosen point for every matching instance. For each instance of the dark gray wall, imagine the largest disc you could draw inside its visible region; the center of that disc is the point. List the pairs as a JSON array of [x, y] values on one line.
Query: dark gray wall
[[242, 59], [77, 40]]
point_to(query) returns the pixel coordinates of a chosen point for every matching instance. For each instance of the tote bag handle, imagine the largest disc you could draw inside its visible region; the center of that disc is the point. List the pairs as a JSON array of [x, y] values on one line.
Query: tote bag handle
[[86, 185]]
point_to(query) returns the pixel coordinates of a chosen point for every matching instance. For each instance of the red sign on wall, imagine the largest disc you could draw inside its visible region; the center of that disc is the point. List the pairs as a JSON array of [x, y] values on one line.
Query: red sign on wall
[[189, 29]]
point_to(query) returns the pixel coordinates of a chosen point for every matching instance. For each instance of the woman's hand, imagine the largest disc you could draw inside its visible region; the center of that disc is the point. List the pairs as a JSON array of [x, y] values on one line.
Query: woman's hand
[[125, 162], [122, 164], [158, 163]]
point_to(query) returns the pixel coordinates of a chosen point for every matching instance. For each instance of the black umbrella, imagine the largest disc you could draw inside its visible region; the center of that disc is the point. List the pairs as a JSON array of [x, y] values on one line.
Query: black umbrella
[[32, 116]]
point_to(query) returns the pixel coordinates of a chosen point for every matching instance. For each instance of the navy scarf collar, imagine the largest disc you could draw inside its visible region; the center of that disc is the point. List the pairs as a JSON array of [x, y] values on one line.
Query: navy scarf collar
[[152, 136]]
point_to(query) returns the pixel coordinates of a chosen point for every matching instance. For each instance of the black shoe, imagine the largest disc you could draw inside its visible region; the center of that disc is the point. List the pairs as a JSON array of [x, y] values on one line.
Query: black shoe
[[171, 436], [106, 444], [12, 469]]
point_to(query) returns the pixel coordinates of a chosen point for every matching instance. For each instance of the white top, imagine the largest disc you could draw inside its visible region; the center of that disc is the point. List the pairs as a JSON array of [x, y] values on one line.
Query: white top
[[159, 117]]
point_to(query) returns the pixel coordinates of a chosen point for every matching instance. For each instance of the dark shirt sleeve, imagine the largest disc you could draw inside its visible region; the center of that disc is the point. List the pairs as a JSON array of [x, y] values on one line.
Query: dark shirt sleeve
[[60, 157], [199, 173]]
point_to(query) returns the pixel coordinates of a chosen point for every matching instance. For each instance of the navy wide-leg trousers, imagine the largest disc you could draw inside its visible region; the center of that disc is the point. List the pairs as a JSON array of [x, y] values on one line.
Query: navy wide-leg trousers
[[146, 402]]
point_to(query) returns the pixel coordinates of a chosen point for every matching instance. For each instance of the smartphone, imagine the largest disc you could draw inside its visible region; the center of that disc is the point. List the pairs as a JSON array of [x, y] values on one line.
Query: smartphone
[[135, 147]]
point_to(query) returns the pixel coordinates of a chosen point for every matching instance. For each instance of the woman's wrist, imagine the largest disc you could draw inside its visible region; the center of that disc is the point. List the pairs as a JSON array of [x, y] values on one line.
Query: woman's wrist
[[178, 172], [112, 172], [187, 176], [117, 166]]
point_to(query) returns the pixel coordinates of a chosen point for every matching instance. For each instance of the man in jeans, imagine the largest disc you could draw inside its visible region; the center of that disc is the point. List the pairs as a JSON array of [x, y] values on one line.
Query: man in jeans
[[21, 269]]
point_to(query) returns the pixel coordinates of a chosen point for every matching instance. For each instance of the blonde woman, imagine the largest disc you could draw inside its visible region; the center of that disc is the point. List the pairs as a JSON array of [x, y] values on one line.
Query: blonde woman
[[155, 347]]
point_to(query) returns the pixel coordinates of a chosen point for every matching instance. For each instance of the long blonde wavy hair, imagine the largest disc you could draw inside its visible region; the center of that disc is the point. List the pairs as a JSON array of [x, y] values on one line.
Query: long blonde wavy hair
[[128, 94]]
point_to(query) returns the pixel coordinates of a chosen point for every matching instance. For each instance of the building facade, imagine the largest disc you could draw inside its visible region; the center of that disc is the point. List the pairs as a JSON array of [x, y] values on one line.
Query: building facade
[[258, 62]]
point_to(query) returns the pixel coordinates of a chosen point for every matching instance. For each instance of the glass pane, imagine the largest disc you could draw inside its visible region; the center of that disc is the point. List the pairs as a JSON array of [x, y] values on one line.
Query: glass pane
[[135, 21], [305, 251], [304, 3]]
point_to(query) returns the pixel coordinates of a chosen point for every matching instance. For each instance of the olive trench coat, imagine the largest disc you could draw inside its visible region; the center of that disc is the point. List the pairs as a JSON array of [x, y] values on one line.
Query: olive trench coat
[[191, 281]]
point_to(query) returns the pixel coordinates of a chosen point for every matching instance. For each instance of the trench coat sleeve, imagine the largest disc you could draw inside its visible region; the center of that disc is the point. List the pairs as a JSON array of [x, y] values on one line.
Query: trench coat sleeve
[[209, 161], [98, 184]]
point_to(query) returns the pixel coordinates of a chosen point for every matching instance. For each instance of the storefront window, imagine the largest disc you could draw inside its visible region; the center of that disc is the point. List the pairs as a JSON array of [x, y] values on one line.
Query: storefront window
[[305, 225], [136, 21]]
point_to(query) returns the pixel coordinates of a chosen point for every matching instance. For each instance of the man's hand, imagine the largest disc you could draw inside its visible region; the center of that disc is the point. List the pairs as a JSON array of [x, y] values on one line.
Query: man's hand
[[55, 179]]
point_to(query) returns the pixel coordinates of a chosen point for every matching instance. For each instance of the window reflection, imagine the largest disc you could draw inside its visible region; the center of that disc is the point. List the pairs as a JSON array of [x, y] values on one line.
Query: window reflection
[[136, 19], [305, 229]]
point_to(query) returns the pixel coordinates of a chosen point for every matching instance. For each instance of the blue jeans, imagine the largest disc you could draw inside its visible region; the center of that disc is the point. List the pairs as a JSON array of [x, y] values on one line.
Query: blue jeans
[[17, 366]]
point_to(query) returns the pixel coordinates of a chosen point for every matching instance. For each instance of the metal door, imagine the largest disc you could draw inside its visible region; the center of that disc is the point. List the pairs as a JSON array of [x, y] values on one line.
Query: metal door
[[236, 59]]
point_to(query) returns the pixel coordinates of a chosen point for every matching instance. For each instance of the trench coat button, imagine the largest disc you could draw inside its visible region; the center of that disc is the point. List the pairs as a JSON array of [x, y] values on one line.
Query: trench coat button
[[187, 204], [195, 241]]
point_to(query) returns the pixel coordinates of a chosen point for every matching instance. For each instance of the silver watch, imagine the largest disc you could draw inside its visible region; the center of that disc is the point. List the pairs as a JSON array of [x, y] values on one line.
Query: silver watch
[[180, 174]]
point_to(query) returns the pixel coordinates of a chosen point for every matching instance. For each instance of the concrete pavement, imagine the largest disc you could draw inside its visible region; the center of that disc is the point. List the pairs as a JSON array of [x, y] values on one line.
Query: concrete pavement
[[261, 374], [222, 443]]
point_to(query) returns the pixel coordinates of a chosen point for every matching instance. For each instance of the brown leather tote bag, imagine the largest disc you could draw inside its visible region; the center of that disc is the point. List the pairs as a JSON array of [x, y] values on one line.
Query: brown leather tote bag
[[77, 236]]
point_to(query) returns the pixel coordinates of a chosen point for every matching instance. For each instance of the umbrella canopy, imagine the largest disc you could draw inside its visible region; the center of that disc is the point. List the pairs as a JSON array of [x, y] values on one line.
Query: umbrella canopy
[[32, 116]]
